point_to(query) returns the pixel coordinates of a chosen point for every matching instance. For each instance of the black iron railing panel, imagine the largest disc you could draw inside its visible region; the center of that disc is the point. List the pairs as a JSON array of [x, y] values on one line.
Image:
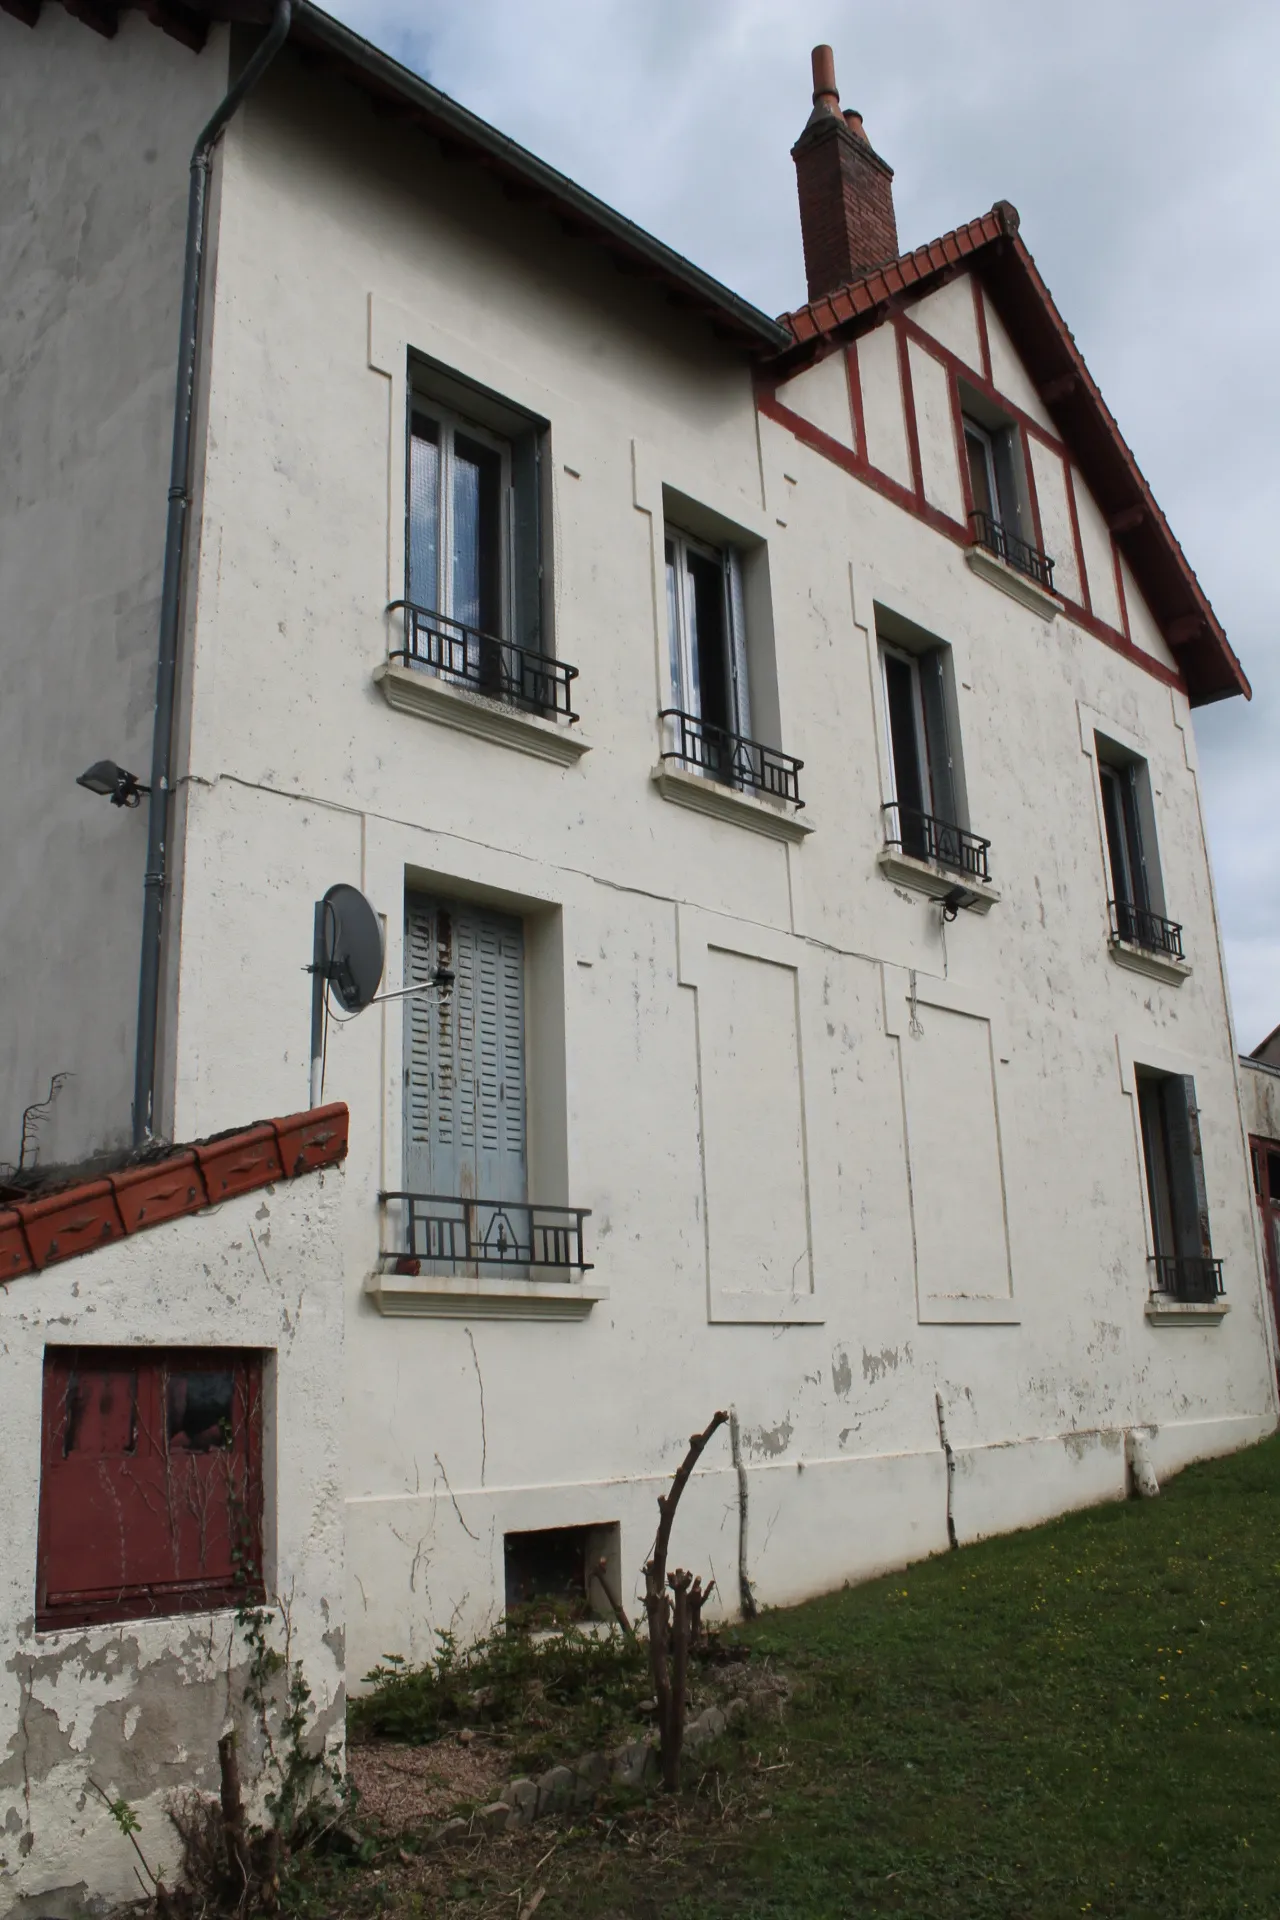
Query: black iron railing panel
[[484, 664], [1015, 553], [486, 1233], [1188, 1277], [1139, 927], [925, 837], [732, 758]]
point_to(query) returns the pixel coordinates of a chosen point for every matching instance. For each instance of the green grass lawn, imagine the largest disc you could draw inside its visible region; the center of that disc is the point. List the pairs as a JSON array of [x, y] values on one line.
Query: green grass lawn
[[1080, 1719]]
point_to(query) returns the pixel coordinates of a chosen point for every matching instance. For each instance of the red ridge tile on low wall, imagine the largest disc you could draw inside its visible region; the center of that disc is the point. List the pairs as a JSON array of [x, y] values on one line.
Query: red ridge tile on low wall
[[311, 1140], [161, 1191], [15, 1255], [74, 1221], [38, 1233]]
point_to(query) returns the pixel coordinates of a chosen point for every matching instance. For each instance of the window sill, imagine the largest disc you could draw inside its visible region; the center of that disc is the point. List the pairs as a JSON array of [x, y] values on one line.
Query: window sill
[[968, 1310], [461, 1297], [1155, 965], [1185, 1313], [711, 797], [428, 697], [1018, 585], [906, 871]]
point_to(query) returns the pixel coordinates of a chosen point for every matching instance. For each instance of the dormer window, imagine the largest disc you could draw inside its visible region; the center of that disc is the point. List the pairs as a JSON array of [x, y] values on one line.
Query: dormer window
[[1000, 517]]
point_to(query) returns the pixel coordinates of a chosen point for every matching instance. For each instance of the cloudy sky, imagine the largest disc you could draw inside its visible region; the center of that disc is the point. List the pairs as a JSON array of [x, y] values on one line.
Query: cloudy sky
[[1139, 140]]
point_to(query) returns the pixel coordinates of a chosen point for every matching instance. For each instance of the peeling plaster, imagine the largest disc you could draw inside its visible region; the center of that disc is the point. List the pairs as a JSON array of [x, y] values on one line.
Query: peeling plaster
[[771, 1440], [875, 1365]]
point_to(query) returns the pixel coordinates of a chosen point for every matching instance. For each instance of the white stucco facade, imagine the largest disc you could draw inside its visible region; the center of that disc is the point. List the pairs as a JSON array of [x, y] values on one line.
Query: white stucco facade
[[137, 1707], [843, 1159]]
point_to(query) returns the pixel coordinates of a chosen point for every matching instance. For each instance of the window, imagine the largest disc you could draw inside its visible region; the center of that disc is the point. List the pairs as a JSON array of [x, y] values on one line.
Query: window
[[1001, 514], [923, 817], [1183, 1255], [1137, 896], [709, 721], [151, 1483], [475, 585], [464, 1207], [464, 1047], [559, 1573], [706, 627]]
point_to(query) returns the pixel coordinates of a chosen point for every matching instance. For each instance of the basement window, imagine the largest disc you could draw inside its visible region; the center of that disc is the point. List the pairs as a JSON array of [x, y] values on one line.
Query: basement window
[[150, 1483], [560, 1574]]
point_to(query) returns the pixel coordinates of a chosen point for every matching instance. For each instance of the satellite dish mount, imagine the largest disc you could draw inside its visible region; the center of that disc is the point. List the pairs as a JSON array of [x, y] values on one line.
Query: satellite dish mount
[[347, 959]]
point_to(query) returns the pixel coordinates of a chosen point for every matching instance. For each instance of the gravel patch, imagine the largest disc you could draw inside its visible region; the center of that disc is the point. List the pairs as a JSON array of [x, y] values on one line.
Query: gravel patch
[[402, 1787]]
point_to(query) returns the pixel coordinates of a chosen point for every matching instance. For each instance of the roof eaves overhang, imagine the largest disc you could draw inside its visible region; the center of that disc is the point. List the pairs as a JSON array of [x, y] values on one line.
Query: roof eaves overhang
[[463, 135], [631, 247], [993, 248]]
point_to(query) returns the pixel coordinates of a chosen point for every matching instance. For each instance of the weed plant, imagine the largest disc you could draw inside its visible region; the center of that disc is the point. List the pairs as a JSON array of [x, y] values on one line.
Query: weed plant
[[553, 1694]]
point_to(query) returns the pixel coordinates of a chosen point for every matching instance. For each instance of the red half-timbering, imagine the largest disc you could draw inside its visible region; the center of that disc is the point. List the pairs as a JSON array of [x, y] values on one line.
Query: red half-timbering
[[992, 252], [150, 1483]]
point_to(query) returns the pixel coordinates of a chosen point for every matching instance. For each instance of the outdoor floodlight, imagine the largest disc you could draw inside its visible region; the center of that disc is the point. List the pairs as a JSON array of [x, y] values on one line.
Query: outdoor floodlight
[[104, 776], [954, 899]]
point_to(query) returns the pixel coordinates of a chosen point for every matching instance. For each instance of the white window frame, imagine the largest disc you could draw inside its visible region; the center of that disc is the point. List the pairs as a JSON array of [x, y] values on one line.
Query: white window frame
[[974, 428], [681, 622], [889, 651], [448, 425]]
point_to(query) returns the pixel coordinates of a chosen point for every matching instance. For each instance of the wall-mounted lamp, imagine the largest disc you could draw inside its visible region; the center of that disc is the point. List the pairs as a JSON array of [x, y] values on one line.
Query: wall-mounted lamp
[[104, 776], [954, 899]]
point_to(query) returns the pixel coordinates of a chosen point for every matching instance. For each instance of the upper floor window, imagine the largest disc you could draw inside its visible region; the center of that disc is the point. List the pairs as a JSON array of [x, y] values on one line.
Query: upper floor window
[[1170, 1121], [709, 720], [1001, 517], [924, 816], [476, 576], [1137, 893], [459, 500]]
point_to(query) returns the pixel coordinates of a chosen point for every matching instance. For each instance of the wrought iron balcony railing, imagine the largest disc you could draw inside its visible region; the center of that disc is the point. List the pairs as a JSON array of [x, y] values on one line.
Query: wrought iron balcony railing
[[927, 838], [1142, 928], [462, 1233], [732, 758], [1016, 553], [1188, 1277], [485, 664]]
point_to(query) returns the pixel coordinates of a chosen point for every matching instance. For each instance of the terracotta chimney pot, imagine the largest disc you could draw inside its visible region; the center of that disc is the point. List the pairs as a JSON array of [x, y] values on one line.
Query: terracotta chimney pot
[[846, 190]]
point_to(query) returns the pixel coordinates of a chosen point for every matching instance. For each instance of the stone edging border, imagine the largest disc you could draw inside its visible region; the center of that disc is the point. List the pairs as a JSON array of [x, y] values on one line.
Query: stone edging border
[[523, 1800]]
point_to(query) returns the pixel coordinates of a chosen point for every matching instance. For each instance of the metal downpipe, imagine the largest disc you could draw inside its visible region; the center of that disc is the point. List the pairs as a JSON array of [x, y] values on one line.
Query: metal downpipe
[[174, 558]]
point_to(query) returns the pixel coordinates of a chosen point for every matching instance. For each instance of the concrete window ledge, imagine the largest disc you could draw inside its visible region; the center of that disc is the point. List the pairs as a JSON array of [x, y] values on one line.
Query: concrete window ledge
[[1157, 966], [906, 871], [460, 1297], [700, 795], [1186, 1313], [968, 1310], [427, 697], [1010, 581]]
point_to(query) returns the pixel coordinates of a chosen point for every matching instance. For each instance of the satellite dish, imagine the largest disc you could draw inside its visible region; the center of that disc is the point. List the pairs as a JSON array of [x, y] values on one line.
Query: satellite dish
[[349, 952]]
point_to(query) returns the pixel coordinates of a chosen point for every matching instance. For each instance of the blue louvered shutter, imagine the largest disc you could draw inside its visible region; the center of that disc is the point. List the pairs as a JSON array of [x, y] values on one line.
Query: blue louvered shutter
[[464, 1073]]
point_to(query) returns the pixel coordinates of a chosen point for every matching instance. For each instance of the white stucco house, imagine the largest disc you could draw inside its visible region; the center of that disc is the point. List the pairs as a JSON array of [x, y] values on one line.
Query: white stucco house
[[769, 746]]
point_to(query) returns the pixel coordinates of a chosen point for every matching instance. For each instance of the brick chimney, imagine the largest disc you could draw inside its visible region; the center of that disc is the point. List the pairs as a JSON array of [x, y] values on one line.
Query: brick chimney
[[846, 190]]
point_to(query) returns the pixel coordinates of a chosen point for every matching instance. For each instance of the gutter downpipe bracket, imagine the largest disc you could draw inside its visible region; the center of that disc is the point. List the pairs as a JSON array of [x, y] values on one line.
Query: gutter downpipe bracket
[[174, 558]]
